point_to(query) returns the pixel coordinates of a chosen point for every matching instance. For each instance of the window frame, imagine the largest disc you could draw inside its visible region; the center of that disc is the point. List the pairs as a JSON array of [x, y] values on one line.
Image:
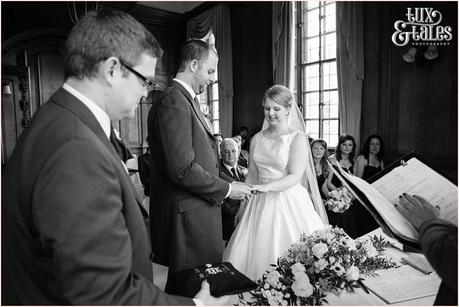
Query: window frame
[[300, 66]]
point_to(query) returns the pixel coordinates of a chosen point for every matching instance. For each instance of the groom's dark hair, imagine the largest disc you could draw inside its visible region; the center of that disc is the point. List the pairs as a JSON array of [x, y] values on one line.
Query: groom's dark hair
[[194, 49]]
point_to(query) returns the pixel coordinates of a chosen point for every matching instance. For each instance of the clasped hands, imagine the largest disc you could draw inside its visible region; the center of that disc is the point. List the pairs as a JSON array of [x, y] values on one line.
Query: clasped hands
[[241, 190]]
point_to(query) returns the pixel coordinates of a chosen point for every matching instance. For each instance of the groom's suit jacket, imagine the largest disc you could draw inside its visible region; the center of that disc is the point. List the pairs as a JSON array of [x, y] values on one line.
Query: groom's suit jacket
[[185, 188], [72, 227]]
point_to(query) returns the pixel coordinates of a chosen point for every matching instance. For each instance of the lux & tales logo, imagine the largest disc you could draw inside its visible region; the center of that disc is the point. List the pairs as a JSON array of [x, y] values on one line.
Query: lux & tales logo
[[422, 24]]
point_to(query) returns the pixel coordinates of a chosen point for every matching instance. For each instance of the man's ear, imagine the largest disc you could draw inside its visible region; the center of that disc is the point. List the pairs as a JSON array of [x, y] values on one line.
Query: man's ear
[[110, 69], [194, 65]]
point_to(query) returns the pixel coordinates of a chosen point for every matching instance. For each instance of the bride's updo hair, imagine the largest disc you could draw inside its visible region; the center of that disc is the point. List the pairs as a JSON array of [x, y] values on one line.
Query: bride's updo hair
[[280, 95]]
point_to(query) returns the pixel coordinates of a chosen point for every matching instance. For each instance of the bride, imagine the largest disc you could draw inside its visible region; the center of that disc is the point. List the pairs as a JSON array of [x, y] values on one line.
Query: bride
[[280, 168]]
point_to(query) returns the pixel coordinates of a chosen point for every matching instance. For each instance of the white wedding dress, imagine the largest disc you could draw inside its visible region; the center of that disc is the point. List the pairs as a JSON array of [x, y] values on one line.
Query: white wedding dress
[[271, 221]]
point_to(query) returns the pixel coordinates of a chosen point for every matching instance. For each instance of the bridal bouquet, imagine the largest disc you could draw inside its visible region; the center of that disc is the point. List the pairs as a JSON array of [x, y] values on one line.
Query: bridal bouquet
[[327, 261], [340, 200]]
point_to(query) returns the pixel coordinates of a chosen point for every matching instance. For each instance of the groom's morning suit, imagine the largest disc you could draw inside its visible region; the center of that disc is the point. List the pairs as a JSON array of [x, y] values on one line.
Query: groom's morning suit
[[186, 191], [72, 227]]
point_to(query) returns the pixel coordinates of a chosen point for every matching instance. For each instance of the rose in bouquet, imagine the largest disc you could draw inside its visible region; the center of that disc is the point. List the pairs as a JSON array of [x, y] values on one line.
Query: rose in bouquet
[[340, 200], [327, 261]]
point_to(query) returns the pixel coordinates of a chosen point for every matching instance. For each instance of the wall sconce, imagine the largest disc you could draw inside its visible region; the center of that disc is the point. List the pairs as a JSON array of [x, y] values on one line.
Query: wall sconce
[[6, 89], [431, 53], [410, 56]]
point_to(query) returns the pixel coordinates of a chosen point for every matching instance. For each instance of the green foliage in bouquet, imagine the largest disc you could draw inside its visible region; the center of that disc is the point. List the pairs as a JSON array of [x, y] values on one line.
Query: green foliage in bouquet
[[327, 261]]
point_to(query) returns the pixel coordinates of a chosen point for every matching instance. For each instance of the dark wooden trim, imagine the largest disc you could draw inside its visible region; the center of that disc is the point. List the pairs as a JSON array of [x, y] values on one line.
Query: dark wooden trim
[[207, 5], [22, 73], [157, 18]]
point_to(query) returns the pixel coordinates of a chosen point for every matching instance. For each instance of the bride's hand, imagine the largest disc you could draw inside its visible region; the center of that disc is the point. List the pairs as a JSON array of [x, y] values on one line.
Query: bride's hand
[[260, 188]]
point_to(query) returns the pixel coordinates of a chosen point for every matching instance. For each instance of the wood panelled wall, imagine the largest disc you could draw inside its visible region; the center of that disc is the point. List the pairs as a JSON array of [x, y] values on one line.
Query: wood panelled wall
[[252, 62], [413, 106], [33, 35]]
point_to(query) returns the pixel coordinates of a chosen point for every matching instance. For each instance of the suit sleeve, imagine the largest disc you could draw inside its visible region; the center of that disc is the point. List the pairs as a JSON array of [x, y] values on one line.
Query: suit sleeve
[[439, 244], [78, 211], [173, 124]]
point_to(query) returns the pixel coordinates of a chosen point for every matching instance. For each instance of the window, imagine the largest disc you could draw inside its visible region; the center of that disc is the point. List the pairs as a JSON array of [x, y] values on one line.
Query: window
[[209, 99], [316, 77]]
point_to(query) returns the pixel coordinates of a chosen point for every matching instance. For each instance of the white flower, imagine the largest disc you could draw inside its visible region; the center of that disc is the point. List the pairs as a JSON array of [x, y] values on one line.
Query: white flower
[[319, 249], [352, 273], [369, 248], [349, 243], [338, 268], [331, 259], [297, 268], [273, 278], [320, 264], [284, 303], [301, 286]]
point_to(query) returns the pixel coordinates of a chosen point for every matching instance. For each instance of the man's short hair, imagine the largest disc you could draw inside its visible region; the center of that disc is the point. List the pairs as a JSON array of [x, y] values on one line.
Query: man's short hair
[[194, 49], [105, 33], [230, 141]]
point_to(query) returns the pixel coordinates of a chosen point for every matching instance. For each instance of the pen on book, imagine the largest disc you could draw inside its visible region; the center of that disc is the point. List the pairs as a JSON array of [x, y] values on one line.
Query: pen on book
[[410, 263], [363, 286]]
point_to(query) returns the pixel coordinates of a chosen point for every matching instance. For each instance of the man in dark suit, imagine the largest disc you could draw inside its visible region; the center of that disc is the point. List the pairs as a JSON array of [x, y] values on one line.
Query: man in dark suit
[[72, 225], [186, 190], [230, 171]]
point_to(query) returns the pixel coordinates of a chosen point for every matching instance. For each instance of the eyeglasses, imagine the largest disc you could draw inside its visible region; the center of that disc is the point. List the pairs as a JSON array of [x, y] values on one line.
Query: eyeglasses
[[148, 83]]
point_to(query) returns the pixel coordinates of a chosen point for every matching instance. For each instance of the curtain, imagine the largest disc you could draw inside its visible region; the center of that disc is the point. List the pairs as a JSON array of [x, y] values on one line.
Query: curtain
[[218, 20], [350, 65], [281, 40]]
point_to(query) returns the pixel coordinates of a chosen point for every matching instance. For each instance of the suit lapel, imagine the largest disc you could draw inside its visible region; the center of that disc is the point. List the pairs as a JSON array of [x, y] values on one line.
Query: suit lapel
[[74, 105], [194, 106]]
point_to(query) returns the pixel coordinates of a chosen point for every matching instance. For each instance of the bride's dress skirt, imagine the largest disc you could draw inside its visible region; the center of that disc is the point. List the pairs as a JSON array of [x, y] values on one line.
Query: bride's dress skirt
[[271, 223]]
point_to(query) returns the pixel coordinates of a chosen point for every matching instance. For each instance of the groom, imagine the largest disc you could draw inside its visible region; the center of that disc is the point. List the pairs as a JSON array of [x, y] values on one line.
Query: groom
[[186, 191]]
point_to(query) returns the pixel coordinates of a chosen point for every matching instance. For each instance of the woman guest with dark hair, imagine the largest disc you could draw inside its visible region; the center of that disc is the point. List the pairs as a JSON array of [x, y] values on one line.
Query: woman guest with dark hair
[[320, 156], [371, 158], [369, 163], [345, 156]]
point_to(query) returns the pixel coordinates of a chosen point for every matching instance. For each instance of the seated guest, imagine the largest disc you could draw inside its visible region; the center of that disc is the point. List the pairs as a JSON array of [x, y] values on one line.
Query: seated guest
[[320, 156], [438, 239], [345, 156], [230, 171], [369, 163], [371, 157], [243, 158], [244, 133]]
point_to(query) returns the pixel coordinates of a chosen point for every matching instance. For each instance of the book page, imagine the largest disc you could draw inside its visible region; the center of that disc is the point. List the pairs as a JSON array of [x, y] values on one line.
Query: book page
[[401, 284], [396, 222], [419, 179]]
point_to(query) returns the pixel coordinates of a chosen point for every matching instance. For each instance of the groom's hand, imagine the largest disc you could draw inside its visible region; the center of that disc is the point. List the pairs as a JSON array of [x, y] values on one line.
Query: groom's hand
[[240, 190]]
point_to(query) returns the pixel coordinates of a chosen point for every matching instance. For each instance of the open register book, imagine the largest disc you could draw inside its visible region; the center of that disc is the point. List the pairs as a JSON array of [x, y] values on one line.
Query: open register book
[[407, 175]]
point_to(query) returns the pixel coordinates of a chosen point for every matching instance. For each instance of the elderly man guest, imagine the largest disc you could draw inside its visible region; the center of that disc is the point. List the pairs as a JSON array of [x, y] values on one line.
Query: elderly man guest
[[186, 228], [72, 226], [230, 171]]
